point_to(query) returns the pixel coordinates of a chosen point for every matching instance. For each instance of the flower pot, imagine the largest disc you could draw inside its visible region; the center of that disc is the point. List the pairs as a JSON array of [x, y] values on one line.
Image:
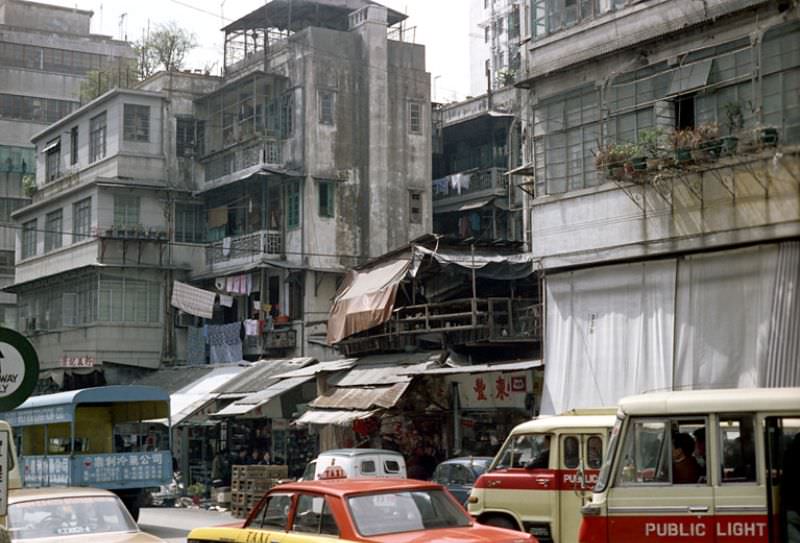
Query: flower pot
[[615, 172], [639, 163], [699, 154], [683, 155], [729, 145], [768, 136], [655, 163], [713, 148]]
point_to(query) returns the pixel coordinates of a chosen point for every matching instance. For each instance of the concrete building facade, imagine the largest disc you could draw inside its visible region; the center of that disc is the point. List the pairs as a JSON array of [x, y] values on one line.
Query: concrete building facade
[[494, 37], [662, 140], [45, 53]]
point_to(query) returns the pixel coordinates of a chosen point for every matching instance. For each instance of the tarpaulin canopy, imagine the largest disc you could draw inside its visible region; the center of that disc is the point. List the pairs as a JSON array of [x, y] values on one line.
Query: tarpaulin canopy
[[487, 264], [365, 300]]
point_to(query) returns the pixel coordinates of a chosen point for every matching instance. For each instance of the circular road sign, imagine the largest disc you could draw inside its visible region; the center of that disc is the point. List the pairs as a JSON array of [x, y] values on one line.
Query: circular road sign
[[19, 369]]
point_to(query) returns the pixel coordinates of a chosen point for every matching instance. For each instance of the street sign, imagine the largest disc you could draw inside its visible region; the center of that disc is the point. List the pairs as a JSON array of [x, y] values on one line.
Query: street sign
[[19, 369], [5, 447]]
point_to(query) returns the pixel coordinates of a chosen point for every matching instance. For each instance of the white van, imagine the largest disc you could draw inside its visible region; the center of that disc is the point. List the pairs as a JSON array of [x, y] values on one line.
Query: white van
[[356, 464]]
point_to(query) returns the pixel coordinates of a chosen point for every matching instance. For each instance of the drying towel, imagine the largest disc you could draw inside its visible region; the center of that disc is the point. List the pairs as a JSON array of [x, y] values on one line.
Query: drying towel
[[193, 300], [225, 301], [225, 343], [251, 327]]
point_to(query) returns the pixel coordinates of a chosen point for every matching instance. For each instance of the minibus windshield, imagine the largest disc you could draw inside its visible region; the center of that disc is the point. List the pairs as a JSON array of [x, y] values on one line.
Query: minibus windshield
[[605, 471], [524, 451]]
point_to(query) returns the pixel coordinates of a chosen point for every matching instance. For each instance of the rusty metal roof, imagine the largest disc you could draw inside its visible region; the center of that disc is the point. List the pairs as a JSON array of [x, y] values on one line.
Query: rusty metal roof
[[382, 370], [361, 398], [261, 375]]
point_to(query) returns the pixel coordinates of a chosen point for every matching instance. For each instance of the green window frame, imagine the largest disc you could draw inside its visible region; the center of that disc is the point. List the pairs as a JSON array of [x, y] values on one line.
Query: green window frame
[[327, 199], [293, 205]]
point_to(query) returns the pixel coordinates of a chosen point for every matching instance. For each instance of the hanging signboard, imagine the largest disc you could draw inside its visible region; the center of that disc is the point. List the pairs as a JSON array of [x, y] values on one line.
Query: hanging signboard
[[491, 390]]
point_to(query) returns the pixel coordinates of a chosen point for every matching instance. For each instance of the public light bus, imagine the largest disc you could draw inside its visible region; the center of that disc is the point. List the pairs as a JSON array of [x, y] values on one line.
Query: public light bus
[[95, 437], [701, 466], [544, 474]]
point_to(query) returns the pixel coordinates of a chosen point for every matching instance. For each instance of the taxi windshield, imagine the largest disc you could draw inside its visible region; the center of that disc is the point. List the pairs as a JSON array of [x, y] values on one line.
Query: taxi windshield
[[396, 512], [65, 517], [602, 479]]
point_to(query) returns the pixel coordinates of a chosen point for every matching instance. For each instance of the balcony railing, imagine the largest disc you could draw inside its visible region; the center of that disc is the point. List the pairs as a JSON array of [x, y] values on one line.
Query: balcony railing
[[249, 246], [461, 322], [268, 341], [470, 183], [240, 159]]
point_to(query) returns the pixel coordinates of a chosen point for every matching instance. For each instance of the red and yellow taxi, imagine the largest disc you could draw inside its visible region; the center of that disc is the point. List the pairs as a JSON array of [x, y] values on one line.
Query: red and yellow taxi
[[367, 510]]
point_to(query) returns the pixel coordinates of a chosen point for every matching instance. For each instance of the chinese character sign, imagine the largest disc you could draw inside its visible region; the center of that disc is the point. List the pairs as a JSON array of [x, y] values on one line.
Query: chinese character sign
[[493, 389]]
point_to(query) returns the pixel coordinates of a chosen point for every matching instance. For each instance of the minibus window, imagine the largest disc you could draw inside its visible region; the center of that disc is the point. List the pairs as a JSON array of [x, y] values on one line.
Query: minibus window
[[645, 453], [572, 450], [605, 472], [738, 453], [594, 452], [525, 451]]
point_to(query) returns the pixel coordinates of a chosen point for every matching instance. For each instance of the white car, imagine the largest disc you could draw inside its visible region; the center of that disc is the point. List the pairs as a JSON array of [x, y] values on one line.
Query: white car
[[356, 464]]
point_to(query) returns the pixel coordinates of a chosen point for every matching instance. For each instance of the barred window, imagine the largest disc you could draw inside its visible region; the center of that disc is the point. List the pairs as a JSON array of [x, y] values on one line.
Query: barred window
[[136, 122], [189, 136], [53, 230], [415, 117], [287, 115], [293, 205], [97, 137], [327, 104], [29, 239], [81, 220], [190, 223]]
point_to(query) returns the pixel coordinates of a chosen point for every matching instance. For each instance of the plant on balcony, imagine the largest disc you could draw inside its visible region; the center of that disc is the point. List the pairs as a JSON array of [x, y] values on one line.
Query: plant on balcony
[[651, 142], [683, 140], [616, 159], [708, 143], [29, 185], [734, 122]]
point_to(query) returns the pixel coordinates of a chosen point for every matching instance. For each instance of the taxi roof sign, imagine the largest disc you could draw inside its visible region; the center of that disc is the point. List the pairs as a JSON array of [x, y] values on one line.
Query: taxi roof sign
[[19, 369]]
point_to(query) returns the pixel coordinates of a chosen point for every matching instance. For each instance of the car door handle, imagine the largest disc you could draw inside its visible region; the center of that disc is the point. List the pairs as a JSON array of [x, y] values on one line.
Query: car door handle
[[698, 509], [543, 482]]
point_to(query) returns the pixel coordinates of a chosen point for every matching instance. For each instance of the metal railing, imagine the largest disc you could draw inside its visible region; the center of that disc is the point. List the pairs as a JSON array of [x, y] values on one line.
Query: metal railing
[[252, 246], [240, 159], [471, 182]]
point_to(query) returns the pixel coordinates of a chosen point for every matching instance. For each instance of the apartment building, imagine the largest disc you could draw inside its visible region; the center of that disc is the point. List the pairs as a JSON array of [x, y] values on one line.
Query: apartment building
[[494, 36], [45, 53], [662, 139]]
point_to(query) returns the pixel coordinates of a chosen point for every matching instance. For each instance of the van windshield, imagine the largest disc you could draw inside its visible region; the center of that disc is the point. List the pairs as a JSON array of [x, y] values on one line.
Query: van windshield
[[605, 471], [524, 451]]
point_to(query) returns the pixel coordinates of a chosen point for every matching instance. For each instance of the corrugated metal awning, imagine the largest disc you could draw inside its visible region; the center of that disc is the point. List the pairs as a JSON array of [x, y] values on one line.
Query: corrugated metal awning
[[322, 367], [261, 398], [337, 418], [361, 398], [486, 368]]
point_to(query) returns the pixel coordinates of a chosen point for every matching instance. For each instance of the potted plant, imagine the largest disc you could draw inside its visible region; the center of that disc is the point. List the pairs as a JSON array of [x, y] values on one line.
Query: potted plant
[[29, 185], [708, 145], [651, 142], [734, 121], [683, 140], [615, 159]]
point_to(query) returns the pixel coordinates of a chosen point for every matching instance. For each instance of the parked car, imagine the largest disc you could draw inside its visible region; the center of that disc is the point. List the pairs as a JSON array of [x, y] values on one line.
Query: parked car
[[356, 464], [368, 510], [71, 514], [458, 475]]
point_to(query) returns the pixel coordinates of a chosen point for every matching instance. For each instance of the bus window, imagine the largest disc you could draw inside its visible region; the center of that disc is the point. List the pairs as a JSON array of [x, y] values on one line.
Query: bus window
[[661, 451], [738, 453], [572, 449], [594, 452], [525, 451]]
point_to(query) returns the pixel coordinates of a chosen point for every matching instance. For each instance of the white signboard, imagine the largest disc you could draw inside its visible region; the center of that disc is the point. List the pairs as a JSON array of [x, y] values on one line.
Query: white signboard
[[491, 390], [5, 435]]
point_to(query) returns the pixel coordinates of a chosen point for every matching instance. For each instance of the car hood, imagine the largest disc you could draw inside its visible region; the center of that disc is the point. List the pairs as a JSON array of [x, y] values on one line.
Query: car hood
[[472, 534]]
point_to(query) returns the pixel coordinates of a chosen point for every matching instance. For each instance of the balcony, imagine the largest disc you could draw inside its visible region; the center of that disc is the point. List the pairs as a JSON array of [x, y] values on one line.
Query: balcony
[[269, 341], [469, 185], [227, 163], [460, 322], [246, 248]]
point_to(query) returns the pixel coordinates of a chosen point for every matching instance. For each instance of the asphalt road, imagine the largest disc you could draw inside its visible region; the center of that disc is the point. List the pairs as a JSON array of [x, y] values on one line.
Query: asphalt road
[[174, 524]]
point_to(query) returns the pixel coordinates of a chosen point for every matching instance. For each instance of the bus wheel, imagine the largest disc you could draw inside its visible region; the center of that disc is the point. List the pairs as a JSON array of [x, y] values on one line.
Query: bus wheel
[[500, 522]]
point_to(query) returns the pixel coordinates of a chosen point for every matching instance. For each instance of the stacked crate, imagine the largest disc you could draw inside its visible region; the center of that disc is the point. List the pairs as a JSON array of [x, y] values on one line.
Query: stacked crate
[[250, 483]]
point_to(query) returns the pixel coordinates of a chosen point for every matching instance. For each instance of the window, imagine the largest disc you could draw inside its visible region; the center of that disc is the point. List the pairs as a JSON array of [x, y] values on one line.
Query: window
[[189, 135], [136, 122], [661, 451], [594, 452], [128, 300], [293, 205], [368, 466], [126, 210], [73, 145], [327, 199], [327, 104], [31, 108], [572, 452], [287, 115], [525, 450], [274, 514], [190, 223], [97, 137], [313, 516], [53, 231], [415, 117], [29, 239], [53, 159], [415, 207], [737, 449], [81, 220], [391, 466], [549, 16]]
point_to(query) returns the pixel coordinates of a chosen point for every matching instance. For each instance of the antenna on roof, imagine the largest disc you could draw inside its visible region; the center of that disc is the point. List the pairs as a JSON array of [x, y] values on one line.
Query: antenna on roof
[[122, 35]]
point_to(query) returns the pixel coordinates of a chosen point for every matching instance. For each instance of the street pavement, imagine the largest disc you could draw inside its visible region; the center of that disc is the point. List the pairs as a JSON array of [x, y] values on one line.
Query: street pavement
[[173, 524]]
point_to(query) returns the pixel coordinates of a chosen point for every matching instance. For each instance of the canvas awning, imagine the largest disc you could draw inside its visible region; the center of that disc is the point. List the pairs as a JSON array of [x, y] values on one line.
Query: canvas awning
[[361, 398], [259, 399], [333, 417], [487, 264], [366, 299]]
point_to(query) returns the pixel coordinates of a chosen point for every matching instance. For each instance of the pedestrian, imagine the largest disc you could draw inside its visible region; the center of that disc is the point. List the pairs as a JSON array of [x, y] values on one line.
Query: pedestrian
[[243, 459], [221, 469], [265, 459]]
